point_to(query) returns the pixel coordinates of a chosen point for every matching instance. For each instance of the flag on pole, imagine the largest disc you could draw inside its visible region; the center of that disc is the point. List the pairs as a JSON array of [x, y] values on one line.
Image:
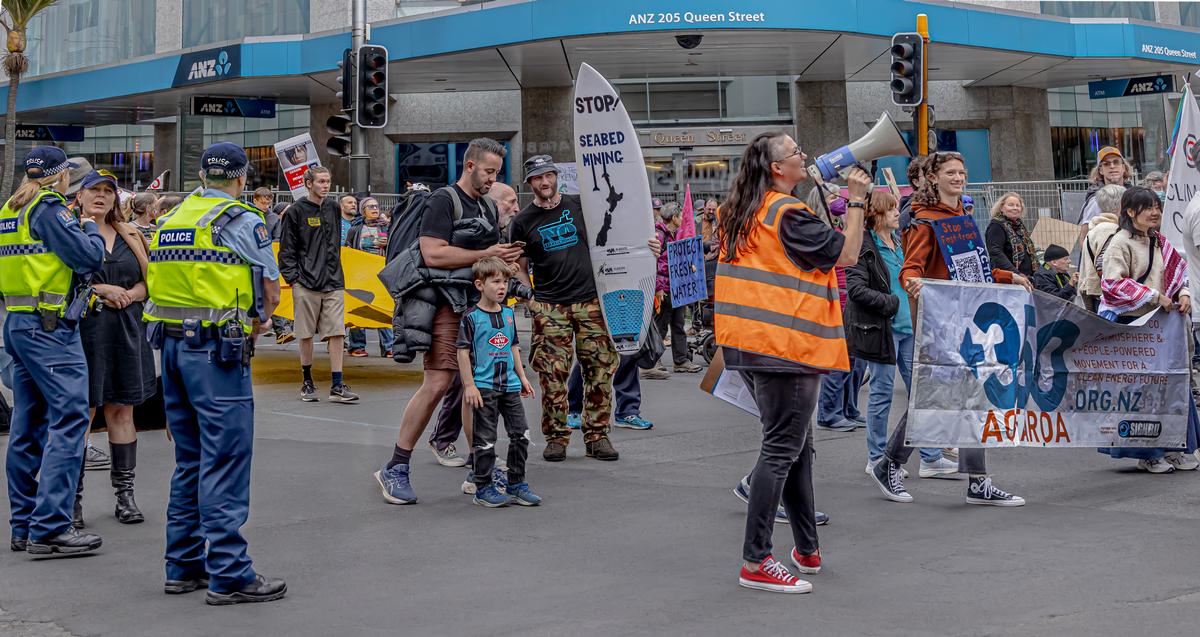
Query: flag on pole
[[1184, 180], [159, 182], [687, 227]]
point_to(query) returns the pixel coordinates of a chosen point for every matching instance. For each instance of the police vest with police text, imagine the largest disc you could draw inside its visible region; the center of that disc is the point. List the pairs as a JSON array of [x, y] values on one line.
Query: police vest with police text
[[191, 275], [766, 305], [32, 277]]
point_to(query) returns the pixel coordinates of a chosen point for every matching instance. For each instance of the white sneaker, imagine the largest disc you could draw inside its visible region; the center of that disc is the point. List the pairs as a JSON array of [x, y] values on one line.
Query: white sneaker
[[903, 472], [1157, 465], [1182, 461], [939, 468]]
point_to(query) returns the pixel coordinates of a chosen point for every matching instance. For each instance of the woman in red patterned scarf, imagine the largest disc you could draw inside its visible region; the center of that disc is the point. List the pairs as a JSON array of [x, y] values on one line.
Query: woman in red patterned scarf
[[1140, 272]]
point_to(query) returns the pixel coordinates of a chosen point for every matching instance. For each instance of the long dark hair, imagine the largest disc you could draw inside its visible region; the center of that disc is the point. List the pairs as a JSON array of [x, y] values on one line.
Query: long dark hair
[[746, 194], [927, 194], [1135, 201]]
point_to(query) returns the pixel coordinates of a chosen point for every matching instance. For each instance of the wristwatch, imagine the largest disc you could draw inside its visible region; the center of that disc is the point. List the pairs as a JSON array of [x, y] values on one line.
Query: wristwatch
[[856, 204]]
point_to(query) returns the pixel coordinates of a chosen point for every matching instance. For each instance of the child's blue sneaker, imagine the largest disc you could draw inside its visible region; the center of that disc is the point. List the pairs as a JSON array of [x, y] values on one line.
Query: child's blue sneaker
[[500, 479], [574, 421], [489, 497], [521, 494]]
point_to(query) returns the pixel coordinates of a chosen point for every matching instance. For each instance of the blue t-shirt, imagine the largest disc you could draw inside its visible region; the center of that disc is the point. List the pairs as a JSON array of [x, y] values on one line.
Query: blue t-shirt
[[490, 337], [894, 260]]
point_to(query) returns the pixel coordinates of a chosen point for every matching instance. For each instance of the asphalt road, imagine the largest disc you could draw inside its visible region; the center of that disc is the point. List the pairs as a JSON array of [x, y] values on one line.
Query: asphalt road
[[647, 545]]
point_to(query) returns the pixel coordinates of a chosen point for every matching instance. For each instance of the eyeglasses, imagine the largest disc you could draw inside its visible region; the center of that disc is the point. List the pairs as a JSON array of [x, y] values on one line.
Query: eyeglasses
[[1112, 163], [371, 206], [790, 155]]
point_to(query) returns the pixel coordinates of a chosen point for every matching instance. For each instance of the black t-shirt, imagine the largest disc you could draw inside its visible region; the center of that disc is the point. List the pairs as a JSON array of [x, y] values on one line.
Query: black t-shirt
[[438, 220], [557, 248]]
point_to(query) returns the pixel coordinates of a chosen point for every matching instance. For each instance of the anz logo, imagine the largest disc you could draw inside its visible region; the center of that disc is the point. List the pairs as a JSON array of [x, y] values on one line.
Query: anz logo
[[560, 234], [210, 68]]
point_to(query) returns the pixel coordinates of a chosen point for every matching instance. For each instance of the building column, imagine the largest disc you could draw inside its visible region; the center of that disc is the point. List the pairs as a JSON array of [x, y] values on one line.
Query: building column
[[547, 126], [166, 153], [821, 117], [1018, 133], [168, 25]]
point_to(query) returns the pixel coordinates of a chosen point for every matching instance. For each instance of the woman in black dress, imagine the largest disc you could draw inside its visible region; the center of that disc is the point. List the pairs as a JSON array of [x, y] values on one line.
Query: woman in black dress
[[120, 363]]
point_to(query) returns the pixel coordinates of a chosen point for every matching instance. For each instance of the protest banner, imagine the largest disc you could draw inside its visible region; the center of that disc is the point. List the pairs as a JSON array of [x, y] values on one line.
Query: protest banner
[[687, 223], [685, 268], [963, 249], [997, 366], [1185, 169], [568, 177], [296, 155]]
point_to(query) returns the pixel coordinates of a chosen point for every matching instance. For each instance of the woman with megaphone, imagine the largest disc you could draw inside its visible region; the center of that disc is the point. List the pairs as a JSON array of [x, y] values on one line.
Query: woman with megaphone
[[779, 323], [940, 197]]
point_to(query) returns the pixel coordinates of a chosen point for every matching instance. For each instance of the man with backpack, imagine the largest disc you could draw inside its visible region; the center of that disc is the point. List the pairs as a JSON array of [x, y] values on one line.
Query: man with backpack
[[459, 226]]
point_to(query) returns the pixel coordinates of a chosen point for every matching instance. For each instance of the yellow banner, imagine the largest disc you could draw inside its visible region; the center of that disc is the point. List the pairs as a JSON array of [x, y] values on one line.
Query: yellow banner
[[368, 304]]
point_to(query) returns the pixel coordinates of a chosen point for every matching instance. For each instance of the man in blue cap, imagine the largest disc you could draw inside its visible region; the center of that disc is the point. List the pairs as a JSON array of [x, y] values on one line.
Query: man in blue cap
[[42, 247], [213, 282]]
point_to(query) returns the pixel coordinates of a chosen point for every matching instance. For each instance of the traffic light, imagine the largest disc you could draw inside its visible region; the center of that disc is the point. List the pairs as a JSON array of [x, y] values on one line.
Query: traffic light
[[908, 53], [339, 126], [371, 106], [346, 80]]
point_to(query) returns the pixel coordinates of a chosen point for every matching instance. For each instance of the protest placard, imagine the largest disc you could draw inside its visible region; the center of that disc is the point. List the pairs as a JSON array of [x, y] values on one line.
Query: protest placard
[[685, 265]]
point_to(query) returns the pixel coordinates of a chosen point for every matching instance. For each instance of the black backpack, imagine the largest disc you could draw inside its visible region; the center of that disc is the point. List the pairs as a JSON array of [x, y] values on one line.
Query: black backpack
[[405, 229]]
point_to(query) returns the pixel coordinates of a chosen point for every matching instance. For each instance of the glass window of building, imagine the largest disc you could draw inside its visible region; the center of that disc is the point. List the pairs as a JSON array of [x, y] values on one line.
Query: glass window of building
[[1081, 126], [209, 21], [712, 100], [74, 34], [1189, 14], [1088, 9]]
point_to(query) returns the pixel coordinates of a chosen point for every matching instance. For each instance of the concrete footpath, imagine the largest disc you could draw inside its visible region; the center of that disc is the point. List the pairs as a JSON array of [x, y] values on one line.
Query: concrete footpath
[[649, 545]]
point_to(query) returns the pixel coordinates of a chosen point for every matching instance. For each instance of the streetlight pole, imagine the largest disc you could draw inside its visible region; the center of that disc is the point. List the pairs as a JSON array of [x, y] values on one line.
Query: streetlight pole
[[360, 160]]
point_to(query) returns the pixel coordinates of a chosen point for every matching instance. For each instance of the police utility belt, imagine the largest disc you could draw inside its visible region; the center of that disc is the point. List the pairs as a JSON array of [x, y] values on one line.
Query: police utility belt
[[233, 346]]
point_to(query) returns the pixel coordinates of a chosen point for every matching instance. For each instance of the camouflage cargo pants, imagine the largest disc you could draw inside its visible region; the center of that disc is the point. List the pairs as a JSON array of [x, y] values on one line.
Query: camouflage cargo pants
[[556, 328]]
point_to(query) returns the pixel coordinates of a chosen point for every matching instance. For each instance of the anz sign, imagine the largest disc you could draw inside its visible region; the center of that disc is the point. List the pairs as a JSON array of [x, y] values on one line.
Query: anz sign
[[208, 66]]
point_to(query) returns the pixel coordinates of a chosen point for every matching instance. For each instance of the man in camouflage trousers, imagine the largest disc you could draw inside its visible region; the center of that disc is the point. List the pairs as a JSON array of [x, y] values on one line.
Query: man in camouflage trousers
[[566, 312]]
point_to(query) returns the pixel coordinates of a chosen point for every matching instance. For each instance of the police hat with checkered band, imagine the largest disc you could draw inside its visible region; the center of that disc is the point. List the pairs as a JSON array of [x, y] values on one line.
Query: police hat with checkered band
[[46, 161], [224, 160]]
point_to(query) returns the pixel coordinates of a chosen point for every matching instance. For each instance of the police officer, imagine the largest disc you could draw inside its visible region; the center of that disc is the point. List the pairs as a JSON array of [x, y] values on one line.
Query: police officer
[[41, 245], [212, 279]]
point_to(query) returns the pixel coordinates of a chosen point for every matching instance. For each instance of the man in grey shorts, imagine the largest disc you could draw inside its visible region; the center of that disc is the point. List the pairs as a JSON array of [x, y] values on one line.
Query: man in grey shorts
[[310, 261]]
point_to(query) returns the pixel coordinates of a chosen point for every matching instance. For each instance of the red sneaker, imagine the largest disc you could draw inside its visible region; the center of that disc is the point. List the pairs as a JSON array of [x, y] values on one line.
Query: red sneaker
[[358, 353], [773, 576], [807, 564]]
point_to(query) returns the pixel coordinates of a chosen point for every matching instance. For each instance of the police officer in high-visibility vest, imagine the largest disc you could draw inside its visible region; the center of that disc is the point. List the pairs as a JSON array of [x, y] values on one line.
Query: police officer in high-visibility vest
[[212, 281], [42, 247], [779, 323]]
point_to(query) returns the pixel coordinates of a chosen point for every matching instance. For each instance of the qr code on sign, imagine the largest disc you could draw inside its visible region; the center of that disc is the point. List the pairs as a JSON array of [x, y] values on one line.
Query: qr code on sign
[[967, 267]]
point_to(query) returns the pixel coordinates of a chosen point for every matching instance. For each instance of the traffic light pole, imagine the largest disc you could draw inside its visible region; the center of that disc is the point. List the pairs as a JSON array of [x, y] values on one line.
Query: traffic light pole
[[360, 160], [922, 115]]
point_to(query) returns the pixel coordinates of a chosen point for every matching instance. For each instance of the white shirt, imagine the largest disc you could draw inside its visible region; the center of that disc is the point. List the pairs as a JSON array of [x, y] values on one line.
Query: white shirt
[[1191, 250]]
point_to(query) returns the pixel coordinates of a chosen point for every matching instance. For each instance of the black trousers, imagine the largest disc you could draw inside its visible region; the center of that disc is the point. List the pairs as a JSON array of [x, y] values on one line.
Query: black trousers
[[498, 405], [970, 461], [784, 468], [675, 316]]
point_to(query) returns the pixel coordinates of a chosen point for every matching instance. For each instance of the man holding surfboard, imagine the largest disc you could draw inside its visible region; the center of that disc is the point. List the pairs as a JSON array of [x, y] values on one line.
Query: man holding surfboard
[[566, 312]]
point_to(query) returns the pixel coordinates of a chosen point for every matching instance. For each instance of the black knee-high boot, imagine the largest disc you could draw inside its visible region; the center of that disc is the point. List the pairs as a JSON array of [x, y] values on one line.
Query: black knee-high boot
[[124, 461], [77, 516]]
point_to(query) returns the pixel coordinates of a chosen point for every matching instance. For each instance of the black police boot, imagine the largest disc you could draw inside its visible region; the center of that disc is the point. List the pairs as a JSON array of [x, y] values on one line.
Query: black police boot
[[262, 589], [70, 542], [77, 516], [186, 585], [124, 460]]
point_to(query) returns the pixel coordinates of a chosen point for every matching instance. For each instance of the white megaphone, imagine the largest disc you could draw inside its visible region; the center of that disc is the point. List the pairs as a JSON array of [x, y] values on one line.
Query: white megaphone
[[883, 140]]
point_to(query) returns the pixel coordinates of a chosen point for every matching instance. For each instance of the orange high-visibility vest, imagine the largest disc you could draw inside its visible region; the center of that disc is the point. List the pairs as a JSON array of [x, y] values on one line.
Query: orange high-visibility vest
[[766, 305]]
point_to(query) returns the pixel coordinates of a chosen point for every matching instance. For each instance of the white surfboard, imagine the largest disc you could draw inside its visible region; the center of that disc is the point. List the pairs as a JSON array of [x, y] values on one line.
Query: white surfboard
[[616, 208]]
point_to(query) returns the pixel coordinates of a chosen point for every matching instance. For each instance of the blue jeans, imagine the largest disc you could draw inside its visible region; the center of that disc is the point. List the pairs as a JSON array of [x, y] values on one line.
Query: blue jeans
[[356, 338], [883, 380], [626, 386], [839, 394]]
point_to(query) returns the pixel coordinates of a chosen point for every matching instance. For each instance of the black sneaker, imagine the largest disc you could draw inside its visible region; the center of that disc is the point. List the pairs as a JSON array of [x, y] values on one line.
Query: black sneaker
[[980, 490], [69, 542], [262, 589], [181, 586], [18, 544], [888, 478], [555, 452], [601, 449], [341, 394], [308, 392]]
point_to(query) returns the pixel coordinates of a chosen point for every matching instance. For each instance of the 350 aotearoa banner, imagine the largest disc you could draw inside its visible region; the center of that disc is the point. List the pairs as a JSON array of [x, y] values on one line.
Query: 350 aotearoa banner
[[996, 366]]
